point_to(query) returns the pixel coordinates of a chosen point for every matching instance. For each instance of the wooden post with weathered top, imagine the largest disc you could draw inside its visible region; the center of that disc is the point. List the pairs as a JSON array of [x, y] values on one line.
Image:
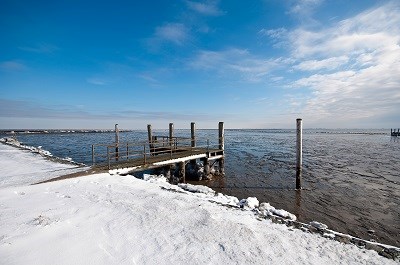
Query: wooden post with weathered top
[[150, 136], [221, 140], [171, 134], [116, 142], [299, 150], [193, 134], [221, 135], [193, 142]]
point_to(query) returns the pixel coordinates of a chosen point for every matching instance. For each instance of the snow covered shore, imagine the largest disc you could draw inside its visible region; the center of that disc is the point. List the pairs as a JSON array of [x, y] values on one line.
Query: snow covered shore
[[111, 219], [19, 167]]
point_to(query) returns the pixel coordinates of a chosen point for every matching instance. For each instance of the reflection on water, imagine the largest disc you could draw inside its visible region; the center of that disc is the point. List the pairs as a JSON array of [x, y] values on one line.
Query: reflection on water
[[297, 206], [351, 181]]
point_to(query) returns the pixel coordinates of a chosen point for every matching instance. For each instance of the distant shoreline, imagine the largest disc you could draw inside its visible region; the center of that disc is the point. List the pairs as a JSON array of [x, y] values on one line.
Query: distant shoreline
[[316, 131], [10, 132], [58, 131]]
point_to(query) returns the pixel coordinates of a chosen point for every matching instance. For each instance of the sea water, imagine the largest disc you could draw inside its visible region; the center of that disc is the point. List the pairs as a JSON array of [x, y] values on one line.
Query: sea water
[[351, 178]]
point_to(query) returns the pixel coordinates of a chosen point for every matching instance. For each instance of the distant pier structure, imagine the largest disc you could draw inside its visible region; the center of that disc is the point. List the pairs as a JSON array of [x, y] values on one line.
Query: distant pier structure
[[394, 133], [174, 155]]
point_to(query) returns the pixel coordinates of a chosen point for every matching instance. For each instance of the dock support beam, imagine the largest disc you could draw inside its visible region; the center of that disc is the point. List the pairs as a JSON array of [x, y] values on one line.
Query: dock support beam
[[167, 172], [206, 164], [182, 172], [193, 134], [299, 150], [116, 142], [221, 163], [171, 134], [221, 135]]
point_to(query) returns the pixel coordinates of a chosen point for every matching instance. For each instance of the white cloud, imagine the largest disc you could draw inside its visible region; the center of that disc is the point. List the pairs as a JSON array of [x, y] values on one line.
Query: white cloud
[[367, 31], [12, 66], [352, 68], [40, 48], [176, 33], [328, 64], [209, 9], [274, 33], [148, 77], [304, 7], [251, 68], [96, 81]]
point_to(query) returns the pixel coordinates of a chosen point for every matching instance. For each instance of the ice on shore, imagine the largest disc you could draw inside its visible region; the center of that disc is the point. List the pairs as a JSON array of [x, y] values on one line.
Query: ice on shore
[[268, 210], [318, 225], [250, 203]]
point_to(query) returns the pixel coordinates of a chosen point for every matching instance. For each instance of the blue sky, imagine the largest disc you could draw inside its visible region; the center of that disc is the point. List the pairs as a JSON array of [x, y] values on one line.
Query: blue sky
[[252, 64]]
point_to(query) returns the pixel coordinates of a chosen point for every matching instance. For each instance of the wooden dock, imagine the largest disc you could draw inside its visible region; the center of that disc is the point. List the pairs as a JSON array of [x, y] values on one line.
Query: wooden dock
[[161, 152], [394, 133]]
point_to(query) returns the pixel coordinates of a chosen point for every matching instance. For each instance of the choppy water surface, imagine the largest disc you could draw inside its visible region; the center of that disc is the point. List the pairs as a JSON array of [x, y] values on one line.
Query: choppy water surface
[[351, 181]]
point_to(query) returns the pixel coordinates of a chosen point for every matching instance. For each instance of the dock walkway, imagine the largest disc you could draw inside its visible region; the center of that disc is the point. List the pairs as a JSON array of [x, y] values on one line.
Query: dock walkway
[[160, 151]]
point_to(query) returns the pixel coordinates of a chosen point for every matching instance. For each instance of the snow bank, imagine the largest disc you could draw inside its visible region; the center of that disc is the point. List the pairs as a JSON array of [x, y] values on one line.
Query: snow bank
[[20, 167], [101, 219], [104, 219]]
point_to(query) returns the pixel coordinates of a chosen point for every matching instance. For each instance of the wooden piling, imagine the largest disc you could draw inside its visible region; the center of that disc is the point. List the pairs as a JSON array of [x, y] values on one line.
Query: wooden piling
[[221, 135], [206, 164], [299, 149], [221, 163], [193, 134], [167, 172], [171, 133], [182, 172], [193, 163], [150, 136], [93, 155], [108, 157], [116, 142]]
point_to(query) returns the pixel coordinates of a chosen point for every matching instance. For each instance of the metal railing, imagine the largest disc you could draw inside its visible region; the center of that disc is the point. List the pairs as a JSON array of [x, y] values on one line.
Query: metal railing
[[119, 152]]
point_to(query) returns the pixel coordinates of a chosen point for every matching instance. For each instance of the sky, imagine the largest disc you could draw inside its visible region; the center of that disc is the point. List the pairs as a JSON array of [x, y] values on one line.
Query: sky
[[252, 64]]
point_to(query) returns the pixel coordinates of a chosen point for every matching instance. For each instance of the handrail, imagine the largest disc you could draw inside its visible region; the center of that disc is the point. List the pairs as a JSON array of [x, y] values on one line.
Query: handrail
[[125, 151]]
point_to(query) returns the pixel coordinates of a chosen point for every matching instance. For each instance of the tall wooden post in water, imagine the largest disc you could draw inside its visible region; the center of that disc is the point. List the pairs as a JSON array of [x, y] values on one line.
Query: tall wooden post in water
[[299, 150], [171, 134], [150, 136], [221, 140], [221, 135], [193, 142], [193, 134], [116, 142]]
